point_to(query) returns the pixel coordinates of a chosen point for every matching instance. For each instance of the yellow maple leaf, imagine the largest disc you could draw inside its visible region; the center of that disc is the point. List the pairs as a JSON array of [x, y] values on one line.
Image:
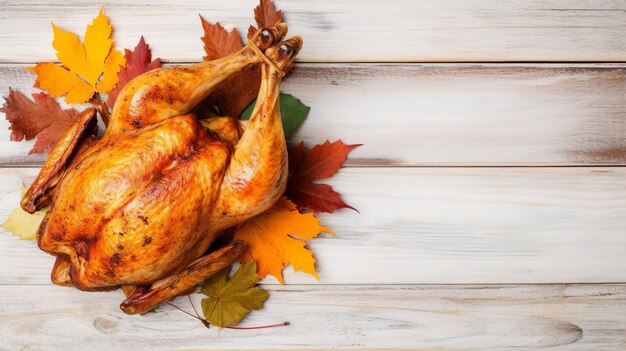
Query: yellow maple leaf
[[274, 239], [87, 68], [24, 224]]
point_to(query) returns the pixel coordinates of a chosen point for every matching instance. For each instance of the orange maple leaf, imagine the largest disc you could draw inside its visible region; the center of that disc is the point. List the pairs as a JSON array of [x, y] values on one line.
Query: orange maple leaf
[[233, 95], [276, 237], [218, 42], [86, 68]]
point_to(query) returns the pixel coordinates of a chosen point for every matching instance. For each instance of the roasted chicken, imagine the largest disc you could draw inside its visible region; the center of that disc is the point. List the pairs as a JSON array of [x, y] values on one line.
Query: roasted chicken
[[140, 207]]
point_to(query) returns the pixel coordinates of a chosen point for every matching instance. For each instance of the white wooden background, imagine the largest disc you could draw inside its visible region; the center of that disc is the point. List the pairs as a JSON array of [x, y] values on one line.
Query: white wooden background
[[490, 185]]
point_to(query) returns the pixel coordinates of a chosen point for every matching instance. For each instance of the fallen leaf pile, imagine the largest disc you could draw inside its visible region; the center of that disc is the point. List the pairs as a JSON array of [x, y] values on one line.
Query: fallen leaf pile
[[275, 238]]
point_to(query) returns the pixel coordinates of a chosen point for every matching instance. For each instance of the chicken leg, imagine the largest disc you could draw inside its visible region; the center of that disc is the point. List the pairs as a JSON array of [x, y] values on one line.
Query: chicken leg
[[142, 300], [40, 193], [167, 92], [257, 174], [259, 162], [148, 99]]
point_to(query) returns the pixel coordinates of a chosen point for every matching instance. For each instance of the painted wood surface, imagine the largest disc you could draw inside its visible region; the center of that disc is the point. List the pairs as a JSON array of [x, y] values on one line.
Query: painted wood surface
[[436, 226], [502, 317], [355, 30], [442, 114], [438, 200]]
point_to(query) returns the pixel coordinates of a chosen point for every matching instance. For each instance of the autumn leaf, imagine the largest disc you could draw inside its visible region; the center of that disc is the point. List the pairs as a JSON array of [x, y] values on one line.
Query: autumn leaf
[[292, 112], [218, 42], [275, 238], [87, 68], [321, 162], [235, 93], [23, 224], [42, 118], [230, 300], [265, 15], [138, 61], [232, 96]]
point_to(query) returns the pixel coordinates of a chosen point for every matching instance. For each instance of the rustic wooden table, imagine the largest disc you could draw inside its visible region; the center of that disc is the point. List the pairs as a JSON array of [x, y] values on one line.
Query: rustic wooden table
[[492, 201]]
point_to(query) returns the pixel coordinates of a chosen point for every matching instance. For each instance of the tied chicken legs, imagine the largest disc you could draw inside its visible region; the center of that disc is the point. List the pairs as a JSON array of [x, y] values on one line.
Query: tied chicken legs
[[140, 207]]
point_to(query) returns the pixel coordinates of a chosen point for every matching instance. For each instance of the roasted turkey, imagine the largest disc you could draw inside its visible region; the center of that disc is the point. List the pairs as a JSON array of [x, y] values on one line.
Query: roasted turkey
[[140, 207]]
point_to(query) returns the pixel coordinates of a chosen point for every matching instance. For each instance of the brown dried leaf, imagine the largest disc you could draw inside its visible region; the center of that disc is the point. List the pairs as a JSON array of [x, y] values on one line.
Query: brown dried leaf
[[43, 119], [218, 42], [265, 15]]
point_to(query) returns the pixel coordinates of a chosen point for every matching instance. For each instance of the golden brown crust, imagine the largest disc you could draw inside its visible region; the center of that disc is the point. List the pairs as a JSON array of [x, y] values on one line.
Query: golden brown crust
[[141, 206], [141, 301], [226, 129], [38, 194]]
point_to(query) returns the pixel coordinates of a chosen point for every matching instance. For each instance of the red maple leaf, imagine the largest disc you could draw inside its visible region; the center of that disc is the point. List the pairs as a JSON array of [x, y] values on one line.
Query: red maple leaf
[[320, 162], [265, 15], [43, 119], [138, 61]]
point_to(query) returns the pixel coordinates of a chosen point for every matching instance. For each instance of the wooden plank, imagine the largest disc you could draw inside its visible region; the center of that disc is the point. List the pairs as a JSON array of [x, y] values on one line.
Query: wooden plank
[[405, 30], [443, 114], [436, 226], [534, 317]]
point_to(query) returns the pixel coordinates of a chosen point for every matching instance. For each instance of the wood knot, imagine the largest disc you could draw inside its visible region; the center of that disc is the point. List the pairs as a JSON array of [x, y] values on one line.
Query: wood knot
[[105, 324]]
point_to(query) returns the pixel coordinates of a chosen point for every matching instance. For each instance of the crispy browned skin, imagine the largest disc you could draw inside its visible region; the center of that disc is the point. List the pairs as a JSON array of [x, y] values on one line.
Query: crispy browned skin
[[142, 205], [173, 91]]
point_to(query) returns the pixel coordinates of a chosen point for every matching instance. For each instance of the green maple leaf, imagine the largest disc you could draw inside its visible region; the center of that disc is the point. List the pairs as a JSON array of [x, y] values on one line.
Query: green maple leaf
[[230, 300]]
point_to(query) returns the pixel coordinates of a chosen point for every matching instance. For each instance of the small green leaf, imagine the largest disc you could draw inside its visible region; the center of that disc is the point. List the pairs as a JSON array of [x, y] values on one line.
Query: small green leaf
[[230, 300], [293, 112]]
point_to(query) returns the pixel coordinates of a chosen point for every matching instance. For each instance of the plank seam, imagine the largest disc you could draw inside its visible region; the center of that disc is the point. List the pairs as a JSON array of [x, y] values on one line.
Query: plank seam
[[503, 62], [286, 286], [364, 165]]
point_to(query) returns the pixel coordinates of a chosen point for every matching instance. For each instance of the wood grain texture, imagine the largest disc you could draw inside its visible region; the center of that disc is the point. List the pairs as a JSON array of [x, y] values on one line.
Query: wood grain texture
[[522, 229], [544, 317], [436, 226], [443, 114], [355, 30]]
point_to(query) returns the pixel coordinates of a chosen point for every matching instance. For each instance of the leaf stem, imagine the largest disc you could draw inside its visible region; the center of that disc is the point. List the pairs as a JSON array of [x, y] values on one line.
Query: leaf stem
[[185, 312], [261, 327], [194, 306], [207, 324]]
